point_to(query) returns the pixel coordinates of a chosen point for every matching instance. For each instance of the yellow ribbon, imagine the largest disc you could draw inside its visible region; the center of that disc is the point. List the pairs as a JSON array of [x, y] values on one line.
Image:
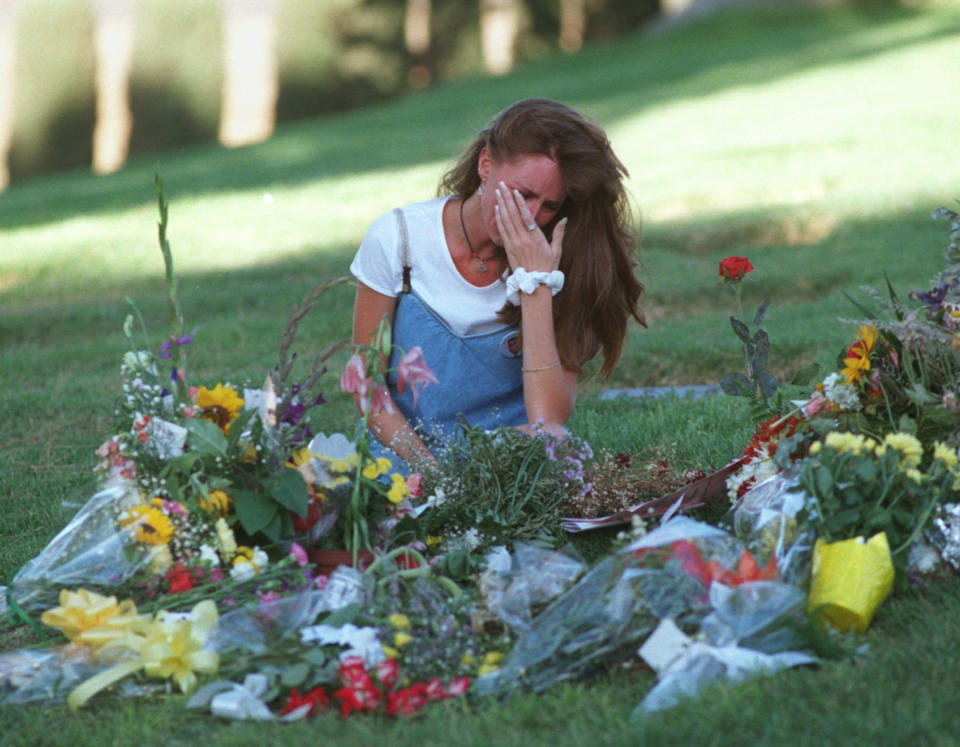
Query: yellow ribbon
[[164, 647]]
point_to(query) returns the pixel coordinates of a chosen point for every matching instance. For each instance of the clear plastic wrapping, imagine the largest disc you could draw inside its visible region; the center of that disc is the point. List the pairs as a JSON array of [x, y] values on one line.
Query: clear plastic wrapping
[[89, 551], [534, 577]]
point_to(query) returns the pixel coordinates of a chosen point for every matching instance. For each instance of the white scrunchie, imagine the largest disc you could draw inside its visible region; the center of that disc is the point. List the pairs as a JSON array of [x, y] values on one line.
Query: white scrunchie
[[522, 281]]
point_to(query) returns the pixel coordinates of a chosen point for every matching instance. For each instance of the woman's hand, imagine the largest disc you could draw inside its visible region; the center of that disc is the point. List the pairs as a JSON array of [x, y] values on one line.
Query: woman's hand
[[523, 240]]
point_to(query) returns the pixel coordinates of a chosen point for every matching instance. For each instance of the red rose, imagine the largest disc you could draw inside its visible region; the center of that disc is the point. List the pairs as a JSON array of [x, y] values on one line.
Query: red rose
[[734, 268]]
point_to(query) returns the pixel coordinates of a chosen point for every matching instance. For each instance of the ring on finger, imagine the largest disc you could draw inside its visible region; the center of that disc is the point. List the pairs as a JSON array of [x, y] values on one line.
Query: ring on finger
[[531, 225]]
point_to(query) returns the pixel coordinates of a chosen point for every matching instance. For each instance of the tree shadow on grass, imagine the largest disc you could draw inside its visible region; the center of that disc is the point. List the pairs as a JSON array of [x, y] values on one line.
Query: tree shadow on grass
[[608, 82]]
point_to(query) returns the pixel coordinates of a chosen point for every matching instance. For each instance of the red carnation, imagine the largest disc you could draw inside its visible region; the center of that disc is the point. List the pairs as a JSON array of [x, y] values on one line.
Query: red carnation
[[317, 700], [734, 268], [179, 578]]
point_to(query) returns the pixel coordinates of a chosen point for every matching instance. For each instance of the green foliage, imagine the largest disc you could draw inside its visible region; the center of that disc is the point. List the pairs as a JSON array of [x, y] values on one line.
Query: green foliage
[[503, 486], [861, 488]]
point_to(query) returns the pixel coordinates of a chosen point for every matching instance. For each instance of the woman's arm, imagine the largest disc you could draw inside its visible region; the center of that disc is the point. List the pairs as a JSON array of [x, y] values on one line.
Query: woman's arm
[[549, 389], [392, 429]]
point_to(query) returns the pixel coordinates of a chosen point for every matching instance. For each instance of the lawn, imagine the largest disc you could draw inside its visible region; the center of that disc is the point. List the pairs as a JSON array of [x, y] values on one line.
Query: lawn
[[815, 141]]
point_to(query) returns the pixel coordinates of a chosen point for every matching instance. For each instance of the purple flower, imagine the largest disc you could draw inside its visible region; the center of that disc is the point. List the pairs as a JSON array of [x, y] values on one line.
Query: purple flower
[[165, 349], [934, 298], [293, 414]]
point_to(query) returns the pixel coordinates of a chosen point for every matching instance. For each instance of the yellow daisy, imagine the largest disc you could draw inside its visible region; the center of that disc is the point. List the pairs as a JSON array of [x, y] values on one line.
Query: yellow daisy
[[908, 446], [219, 405], [945, 454]]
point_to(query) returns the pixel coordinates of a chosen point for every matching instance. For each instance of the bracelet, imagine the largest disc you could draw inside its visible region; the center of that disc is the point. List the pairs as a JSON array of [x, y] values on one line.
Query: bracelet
[[522, 281], [540, 368]]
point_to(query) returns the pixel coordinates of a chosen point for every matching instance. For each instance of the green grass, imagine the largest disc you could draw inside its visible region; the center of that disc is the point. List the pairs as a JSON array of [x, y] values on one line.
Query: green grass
[[815, 141]]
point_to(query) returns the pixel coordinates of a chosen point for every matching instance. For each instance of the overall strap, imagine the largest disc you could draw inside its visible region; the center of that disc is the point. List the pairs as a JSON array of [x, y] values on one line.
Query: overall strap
[[405, 249]]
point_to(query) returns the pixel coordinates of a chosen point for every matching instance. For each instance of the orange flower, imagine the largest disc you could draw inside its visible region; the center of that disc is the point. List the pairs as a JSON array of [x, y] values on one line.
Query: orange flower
[[706, 573]]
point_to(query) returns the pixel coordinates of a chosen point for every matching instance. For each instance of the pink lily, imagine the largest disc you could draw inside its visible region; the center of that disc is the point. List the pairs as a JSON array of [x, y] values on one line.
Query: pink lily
[[380, 400], [353, 379], [413, 370]]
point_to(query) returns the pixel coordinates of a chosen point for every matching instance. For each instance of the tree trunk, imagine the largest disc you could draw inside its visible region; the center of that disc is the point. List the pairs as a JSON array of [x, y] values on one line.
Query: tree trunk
[[499, 26], [573, 22], [8, 57], [113, 43], [250, 85], [416, 36]]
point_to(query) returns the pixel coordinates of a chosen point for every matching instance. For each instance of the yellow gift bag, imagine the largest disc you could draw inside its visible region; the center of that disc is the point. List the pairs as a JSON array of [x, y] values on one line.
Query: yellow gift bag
[[849, 581]]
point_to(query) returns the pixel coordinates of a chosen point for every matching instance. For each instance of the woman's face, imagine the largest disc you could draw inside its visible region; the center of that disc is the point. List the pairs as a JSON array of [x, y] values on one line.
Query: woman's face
[[535, 176]]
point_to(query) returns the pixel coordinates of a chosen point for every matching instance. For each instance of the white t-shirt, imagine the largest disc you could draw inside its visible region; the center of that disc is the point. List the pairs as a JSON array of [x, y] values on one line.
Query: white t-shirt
[[466, 308]]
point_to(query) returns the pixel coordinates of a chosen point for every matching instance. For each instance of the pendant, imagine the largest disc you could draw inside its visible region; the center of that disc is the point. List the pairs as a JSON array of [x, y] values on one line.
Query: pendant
[[481, 267]]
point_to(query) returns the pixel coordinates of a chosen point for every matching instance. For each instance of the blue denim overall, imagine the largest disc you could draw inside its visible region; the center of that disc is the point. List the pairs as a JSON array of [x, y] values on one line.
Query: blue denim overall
[[479, 378]]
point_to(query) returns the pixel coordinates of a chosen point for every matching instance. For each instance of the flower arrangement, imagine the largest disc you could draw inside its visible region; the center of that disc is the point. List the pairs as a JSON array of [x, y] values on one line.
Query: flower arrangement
[[372, 501], [876, 441], [860, 486], [206, 461]]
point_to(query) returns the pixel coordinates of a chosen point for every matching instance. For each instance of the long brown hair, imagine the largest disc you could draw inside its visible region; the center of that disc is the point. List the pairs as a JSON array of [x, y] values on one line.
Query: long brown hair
[[600, 249]]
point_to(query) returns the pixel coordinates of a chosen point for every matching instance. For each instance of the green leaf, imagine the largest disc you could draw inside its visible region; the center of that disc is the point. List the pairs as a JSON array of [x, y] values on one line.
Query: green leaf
[[863, 309], [852, 497], [289, 490], [867, 468], [896, 305], [238, 426], [761, 312], [735, 384], [907, 425], [342, 616], [768, 384], [877, 520], [280, 525], [205, 437], [295, 675], [316, 657], [761, 351], [741, 330], [842, 521], [255, 511], [919, 395], [180, 465], [824, 482]]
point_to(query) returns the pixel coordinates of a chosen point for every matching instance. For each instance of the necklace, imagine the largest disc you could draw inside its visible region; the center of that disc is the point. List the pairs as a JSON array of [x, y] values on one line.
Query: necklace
[[481, 261]]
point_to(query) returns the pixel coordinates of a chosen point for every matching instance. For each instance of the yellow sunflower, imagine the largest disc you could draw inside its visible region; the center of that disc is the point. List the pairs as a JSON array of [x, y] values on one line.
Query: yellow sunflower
[[152, 527], [219, 405]]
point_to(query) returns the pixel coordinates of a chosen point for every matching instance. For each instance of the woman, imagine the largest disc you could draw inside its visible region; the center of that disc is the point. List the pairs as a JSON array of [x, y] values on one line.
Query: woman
[[474, 278]]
